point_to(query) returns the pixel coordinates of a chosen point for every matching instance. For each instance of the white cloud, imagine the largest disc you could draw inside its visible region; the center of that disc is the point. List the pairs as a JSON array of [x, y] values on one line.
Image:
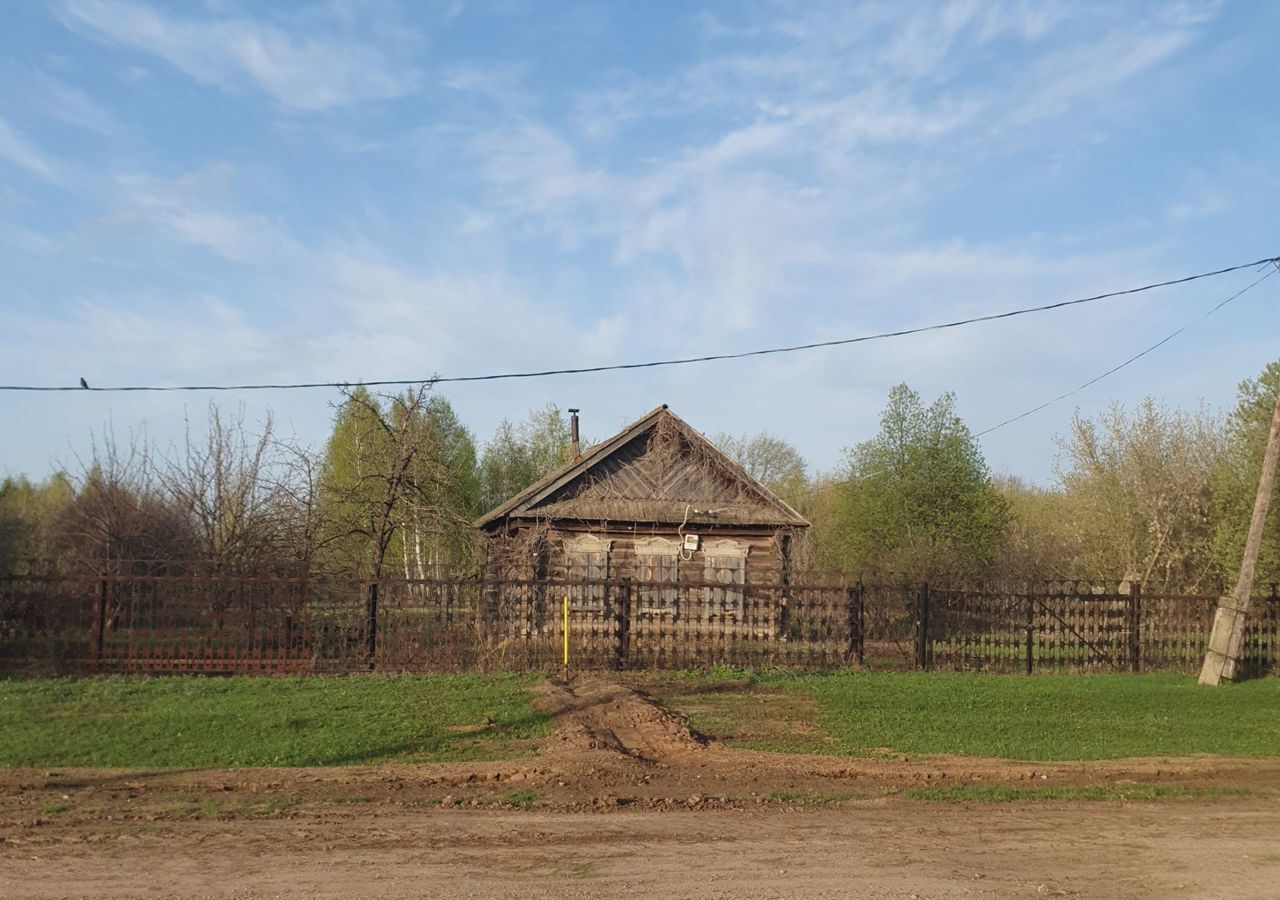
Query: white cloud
[[800, 151], [120, 340], [18, 151], [196, 209], [72, 105], [1089, 72], [305, 72]]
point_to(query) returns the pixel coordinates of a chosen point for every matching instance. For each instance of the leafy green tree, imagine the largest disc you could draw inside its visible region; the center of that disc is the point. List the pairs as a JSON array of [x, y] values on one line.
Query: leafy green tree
[[518, 455], [1235, 483], [917, 499]]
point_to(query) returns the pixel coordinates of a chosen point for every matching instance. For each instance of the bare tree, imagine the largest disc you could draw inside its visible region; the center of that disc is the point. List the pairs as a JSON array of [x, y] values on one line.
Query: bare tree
[[295, 479], [219, 483], [119, 514], [769, 460]]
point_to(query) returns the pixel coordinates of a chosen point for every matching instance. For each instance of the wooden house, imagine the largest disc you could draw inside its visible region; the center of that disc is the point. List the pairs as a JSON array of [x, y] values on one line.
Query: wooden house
[[657, 506]]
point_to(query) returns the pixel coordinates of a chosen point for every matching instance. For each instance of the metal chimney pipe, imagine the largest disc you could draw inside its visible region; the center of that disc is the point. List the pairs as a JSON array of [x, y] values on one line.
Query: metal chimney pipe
[[573, 432]]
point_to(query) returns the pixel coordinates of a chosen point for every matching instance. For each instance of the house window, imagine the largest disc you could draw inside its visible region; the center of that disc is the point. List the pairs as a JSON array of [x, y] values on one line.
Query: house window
[[724, 572], [657, 561], [587, 560]]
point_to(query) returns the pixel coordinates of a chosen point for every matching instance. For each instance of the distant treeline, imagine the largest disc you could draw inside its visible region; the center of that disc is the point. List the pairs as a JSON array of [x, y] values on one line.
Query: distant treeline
[[1151, 493]]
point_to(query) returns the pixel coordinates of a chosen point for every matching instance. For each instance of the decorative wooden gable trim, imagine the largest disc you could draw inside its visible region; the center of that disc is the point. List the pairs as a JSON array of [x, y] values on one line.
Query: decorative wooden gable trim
[[553, 498]]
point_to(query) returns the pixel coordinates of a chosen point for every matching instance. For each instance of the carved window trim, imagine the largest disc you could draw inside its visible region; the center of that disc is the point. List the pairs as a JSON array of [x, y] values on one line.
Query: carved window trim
[[586, 558], [724, 573], [658, 575]]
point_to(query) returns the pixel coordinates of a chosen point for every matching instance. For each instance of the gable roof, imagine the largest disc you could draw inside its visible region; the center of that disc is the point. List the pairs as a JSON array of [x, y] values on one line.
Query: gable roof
[[656, 470]]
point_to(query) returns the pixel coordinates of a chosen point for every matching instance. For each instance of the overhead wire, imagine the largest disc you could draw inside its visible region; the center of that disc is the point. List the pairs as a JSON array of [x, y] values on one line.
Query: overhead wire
[[1275, 267], [1137, 356], [650, 364]]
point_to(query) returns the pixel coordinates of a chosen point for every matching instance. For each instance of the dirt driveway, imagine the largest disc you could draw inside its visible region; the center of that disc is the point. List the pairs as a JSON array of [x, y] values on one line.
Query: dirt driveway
[[624, 800]]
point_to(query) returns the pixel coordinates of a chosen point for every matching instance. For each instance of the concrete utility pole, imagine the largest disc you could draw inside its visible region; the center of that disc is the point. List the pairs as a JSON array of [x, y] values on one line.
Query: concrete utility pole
[[1228, 622]]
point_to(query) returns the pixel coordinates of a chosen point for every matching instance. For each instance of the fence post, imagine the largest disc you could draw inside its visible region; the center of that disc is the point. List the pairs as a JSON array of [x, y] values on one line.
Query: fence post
[[853, 597], [99, 620], [1135, 626], [1030, 604], [252, 620], [624, 624], [371, 626], [922, 627]]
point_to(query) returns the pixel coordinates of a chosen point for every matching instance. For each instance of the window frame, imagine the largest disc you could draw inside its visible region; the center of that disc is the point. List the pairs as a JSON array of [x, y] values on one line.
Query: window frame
[[586, 558], [723, 598], [657, 575]]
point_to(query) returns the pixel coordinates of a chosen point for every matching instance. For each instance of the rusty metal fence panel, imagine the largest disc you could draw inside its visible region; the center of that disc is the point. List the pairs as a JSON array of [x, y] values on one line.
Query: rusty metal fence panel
[[276, 625], [1082, 627]]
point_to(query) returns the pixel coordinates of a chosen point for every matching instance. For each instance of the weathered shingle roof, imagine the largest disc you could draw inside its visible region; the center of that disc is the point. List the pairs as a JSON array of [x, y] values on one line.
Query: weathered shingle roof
[[629, 478]]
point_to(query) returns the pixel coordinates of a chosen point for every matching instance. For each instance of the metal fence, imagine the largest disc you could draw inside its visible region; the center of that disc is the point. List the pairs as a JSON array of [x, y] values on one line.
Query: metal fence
[[226, 624]]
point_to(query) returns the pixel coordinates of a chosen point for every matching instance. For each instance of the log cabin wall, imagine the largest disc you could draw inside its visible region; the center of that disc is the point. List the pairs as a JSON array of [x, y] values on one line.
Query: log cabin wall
[[535, 553]]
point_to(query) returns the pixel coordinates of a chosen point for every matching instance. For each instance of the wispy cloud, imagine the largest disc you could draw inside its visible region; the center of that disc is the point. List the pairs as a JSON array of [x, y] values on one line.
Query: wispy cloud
[[72, 105], [833, 129], [304, 72], [1086, 73], [197, 209], [22, 153]]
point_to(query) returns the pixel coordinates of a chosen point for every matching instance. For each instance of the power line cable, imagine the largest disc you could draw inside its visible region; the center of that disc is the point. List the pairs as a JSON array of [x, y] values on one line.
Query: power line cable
[[652, 364], [1092, 381], [1137, 356]]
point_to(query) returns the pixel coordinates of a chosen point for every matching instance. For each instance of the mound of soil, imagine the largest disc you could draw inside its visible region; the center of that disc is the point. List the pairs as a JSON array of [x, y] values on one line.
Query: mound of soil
[[594, 714]]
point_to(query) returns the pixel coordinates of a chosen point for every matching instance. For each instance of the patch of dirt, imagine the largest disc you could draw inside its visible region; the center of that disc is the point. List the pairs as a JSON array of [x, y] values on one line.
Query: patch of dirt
[[686, 817], [597, 714]]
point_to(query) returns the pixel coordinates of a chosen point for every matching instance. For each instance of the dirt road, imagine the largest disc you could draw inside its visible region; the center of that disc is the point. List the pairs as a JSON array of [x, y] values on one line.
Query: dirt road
[[1087, 850], [624, 800]]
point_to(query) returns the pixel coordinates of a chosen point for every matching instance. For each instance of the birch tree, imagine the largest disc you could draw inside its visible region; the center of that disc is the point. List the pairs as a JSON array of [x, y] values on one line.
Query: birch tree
[[518, 455], [398, 483]]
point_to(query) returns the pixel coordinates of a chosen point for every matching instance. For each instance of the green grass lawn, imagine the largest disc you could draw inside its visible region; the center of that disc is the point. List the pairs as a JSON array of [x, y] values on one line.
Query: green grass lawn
[[1044, 717], [244, 721]]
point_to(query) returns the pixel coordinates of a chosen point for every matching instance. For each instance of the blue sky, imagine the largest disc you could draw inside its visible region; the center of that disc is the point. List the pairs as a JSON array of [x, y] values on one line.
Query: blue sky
[[231, 192]]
